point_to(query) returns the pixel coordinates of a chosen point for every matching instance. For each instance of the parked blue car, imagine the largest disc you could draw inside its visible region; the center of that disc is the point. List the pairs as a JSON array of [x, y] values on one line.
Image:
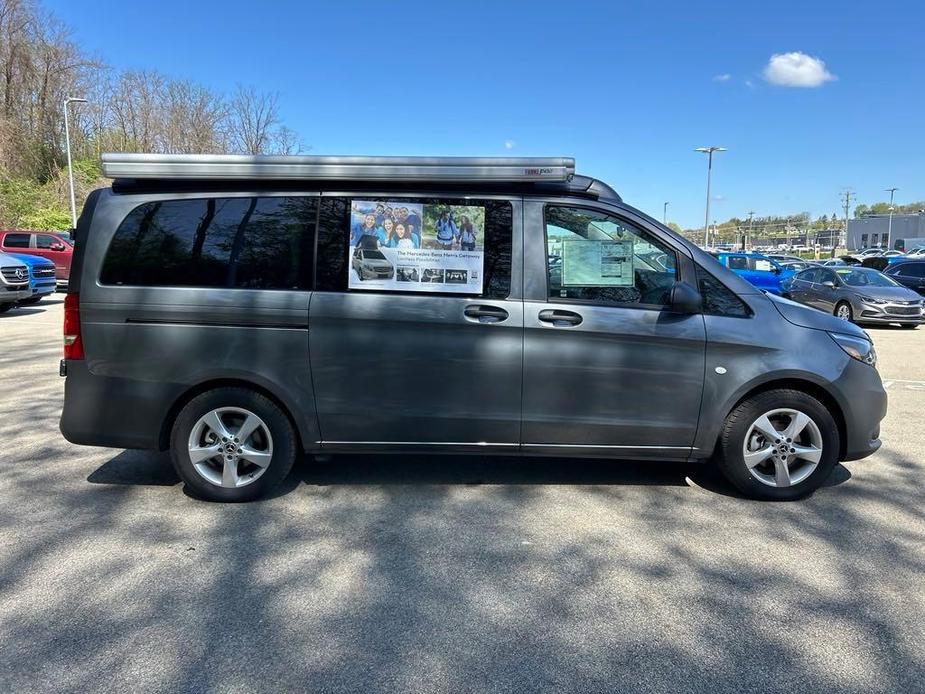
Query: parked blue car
[[41, 277], [760, 270]]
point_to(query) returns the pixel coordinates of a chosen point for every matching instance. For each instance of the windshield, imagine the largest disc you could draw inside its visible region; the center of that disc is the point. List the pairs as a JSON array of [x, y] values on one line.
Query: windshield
[[863, 277], [370, 254]]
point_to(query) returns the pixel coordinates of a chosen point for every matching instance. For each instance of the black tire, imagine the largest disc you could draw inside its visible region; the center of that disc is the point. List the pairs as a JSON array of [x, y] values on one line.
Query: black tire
[[30, 302], [909, 326], [7, 306], [850, 310], [280, 429], [731, 461]]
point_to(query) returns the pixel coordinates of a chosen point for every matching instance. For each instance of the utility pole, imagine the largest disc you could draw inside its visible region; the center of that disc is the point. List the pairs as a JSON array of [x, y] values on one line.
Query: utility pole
[[748, 234], [889, 230], [849, 196]]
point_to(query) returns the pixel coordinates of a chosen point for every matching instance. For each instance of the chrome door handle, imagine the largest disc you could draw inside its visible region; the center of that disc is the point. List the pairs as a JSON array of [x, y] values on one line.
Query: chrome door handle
[[485, 314], [560, 318]]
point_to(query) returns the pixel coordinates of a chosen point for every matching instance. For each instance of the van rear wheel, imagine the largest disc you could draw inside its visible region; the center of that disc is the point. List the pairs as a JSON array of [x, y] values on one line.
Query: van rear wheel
[[232, 444], [779, 445]]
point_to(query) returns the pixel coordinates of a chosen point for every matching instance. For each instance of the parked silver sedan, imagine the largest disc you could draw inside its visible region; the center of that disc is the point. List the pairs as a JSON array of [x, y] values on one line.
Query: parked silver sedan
[[858, 294]]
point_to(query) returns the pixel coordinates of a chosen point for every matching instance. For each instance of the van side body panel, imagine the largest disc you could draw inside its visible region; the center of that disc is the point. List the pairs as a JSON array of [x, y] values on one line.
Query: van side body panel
[[148, 346]]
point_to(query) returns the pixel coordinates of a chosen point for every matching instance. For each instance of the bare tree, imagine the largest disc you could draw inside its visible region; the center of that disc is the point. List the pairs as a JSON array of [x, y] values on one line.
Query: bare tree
[[254, 125]]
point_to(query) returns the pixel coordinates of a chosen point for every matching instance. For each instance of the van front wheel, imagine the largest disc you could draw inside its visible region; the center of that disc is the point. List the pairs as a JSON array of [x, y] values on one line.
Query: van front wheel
[[779, 445], [232, 444]]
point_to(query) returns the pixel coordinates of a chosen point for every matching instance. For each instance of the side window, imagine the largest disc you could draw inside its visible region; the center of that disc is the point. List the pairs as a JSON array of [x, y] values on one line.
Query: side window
[[592, 256], [44, 241], [828, 276], [737, 262], [16, 241], [760, 264], [718, 299], [807, 276], [249, 243], [913, 270], [418, 245]]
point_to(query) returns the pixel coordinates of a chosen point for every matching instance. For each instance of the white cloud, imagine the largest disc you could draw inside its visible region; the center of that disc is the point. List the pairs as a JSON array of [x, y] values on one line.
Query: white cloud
[[509, 144], [796, 69], [725, 77], [749, 84]]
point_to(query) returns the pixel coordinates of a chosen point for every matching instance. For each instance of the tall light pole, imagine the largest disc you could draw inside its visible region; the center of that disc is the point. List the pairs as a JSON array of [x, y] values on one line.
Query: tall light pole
[[748, 234], [889, 229], [706, 218], [665, 214], [70, 168]]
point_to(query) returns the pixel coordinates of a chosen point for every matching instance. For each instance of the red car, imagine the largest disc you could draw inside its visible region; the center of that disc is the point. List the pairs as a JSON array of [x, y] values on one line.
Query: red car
[[46, 244]]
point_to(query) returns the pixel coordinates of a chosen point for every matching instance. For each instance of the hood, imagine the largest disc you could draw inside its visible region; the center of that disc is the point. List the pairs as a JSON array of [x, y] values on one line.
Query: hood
[[807, 317], [31, 260], [8, 259], [903, 294]]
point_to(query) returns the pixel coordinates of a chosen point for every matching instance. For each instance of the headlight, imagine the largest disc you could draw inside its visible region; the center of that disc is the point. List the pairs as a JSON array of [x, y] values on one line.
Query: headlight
[[856, 348], [869, 300]]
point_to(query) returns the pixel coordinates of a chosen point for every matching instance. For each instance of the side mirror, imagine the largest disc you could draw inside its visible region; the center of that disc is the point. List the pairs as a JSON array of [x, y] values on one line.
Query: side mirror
[[828, 284], [57, 246], [684, 298], [775, 270]]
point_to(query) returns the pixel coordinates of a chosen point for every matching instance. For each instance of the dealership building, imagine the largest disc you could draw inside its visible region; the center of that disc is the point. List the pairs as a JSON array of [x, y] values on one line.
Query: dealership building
[[873, 230]]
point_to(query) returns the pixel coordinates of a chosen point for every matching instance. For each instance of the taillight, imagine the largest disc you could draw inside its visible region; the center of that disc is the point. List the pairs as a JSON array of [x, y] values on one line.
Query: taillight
[[73, 346]]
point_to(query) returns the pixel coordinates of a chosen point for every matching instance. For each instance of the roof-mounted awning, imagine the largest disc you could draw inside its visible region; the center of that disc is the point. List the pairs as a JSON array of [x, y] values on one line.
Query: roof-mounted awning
[[242, 167]]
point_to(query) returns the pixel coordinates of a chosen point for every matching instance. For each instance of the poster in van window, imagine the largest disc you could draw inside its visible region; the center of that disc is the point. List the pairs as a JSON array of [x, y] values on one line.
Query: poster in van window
[[597, 263], [400, 246]]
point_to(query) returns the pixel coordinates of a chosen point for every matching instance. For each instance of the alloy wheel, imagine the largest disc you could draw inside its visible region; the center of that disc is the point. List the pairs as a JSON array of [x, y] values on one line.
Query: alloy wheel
[[843, 311], [782, 447], [230, 447]]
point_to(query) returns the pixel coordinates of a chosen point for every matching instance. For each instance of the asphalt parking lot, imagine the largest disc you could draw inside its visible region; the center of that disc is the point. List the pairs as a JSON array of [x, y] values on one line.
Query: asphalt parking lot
[[375, 574]]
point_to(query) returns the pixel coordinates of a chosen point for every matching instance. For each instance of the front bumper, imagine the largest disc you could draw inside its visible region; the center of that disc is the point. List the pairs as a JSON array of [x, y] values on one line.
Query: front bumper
[[43, 289], [864, 402], [9, 294], [889, 313]]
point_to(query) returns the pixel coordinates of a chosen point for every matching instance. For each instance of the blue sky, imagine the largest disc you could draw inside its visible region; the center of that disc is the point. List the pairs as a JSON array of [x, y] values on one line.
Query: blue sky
[[629, 89]]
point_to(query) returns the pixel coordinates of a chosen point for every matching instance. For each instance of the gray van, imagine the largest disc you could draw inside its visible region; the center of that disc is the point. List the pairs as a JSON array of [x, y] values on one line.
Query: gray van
[[213, 313]]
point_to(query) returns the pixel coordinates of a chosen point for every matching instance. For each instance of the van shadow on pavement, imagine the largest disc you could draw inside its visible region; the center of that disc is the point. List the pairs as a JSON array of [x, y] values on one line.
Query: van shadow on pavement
[[146, 468]]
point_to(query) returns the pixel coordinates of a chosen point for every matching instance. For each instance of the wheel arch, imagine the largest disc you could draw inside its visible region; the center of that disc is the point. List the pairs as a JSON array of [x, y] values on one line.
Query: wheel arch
[[180, 402], [805, 386]]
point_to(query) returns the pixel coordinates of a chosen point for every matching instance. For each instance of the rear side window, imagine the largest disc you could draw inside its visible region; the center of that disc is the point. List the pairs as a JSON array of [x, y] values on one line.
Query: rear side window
[[243, 242], [16, 241], [348, 252], [910, 270], [718, 299]]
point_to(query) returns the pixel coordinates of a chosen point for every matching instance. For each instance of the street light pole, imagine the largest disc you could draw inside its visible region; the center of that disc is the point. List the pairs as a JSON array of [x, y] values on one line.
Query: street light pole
[[889, 229], [706, 218], [665, 214], [70, 167]]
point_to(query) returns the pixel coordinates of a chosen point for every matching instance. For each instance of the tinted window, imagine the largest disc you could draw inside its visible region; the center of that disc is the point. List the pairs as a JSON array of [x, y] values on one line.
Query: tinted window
[[16, 241], [334, 238], [808, 275], [718, 299], [44, 241], [910, 270], [592, 256], [253, 243], [737, 262]]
